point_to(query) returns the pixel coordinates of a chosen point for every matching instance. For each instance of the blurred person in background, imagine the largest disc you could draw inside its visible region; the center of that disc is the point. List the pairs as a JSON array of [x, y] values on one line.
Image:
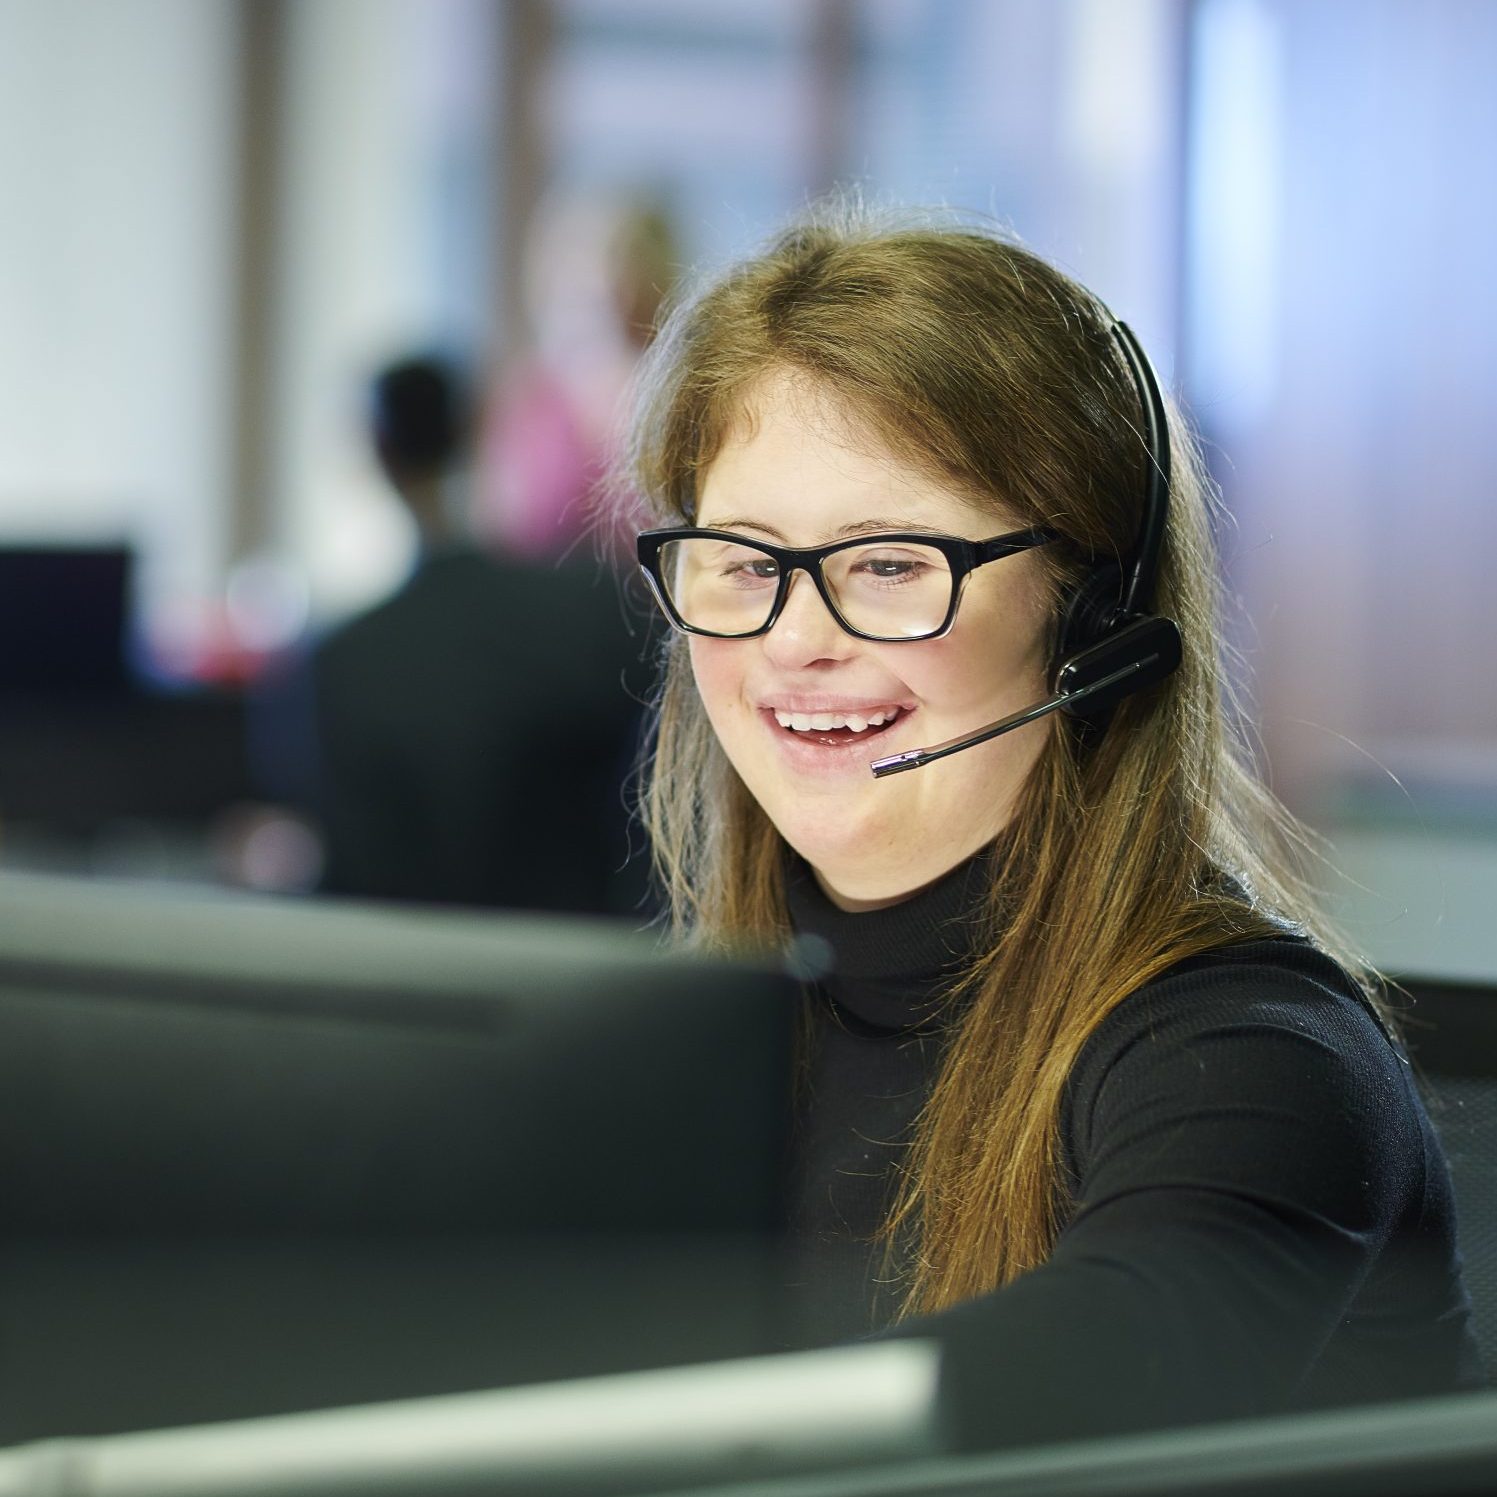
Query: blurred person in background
[[597, 270], [471, 735], [1092, 1091]]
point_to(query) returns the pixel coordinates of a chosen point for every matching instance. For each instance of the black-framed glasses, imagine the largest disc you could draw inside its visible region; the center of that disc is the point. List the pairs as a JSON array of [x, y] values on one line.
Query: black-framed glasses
[[903, 585]]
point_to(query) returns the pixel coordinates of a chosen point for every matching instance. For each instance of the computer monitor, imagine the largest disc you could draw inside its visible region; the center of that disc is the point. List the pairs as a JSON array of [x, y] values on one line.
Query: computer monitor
[[258, 1157], [64, 618]]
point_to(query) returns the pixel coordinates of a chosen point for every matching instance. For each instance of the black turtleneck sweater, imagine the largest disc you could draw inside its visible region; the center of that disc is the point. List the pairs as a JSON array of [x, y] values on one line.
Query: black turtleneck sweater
[[1260, 1214]]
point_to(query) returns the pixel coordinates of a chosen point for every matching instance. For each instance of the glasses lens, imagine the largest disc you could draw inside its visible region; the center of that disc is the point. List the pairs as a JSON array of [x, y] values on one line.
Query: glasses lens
[[720, 586], [891, 589]]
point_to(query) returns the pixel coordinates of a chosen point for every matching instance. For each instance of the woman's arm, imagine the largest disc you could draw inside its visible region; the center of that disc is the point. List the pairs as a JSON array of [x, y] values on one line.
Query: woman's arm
[[1245, 1143]]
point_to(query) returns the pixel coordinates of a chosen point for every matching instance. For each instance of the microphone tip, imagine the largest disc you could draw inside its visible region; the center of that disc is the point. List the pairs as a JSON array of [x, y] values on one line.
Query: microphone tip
[[910, 759]]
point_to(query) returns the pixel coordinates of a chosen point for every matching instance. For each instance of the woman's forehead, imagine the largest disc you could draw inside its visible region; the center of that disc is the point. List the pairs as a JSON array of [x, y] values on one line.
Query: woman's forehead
[[798, 396], [799, 458]]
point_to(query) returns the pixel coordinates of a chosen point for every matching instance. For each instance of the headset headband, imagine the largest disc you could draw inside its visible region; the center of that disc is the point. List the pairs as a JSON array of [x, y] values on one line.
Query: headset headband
[[1139, 576]]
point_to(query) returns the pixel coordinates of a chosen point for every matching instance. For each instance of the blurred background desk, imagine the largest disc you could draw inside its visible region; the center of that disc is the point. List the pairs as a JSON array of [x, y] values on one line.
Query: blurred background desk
[[128, 783]]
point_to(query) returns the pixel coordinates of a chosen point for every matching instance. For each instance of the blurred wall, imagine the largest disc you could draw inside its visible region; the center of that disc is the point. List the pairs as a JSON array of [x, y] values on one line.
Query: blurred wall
[[117, 263], [1341, 356], [381, 245]]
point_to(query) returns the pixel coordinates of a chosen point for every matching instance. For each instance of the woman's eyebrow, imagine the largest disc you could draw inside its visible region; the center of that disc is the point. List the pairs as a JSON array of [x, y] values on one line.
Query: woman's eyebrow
[[873, 526]]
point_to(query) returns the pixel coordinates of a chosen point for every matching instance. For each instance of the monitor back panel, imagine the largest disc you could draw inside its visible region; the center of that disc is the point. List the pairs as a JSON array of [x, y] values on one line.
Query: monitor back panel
[[256, 1158]]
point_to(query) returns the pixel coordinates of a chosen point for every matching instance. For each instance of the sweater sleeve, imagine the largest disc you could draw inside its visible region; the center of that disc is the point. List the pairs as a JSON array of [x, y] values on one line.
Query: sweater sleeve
[[1242, 1141]]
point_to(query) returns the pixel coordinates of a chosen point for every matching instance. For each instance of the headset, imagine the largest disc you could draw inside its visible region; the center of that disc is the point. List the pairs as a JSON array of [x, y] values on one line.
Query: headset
[[1110, 643]]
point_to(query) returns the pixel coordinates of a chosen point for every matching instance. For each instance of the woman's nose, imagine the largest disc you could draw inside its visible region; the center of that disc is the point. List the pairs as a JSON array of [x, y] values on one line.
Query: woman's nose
[[805, 631]]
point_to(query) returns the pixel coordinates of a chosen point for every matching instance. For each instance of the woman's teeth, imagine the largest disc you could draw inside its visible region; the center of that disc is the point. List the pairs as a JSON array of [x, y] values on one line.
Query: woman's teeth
[[821, 722]]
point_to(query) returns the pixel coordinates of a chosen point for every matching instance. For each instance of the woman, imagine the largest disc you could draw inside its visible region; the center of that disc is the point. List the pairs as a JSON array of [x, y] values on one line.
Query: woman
[[1117, 1116]]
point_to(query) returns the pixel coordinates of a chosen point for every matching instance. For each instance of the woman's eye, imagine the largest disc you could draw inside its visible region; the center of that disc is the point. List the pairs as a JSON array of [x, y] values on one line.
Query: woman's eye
[[756, 569], [890, 568]]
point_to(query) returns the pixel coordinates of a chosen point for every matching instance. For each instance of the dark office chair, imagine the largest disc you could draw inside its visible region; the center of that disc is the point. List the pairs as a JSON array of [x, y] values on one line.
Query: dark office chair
[[1451, 1029]]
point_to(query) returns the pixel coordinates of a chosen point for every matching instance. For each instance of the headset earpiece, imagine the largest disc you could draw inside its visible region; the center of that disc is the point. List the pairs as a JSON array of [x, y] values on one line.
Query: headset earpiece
[[1088, 617], [1089, 612], [1106, 626], [1140, 652]]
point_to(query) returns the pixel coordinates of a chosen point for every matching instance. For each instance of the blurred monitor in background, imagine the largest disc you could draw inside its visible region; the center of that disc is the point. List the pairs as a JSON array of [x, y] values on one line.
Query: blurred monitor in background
[[63, 615], [105, 762], [467, 740]]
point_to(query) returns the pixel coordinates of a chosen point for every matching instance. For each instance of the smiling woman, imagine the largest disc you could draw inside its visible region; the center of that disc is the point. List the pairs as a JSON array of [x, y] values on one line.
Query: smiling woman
[[1092, 1084], [799, 467]]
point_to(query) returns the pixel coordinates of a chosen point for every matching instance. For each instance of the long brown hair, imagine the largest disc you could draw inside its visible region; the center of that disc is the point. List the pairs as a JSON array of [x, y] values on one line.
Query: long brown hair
[[1129, 850]]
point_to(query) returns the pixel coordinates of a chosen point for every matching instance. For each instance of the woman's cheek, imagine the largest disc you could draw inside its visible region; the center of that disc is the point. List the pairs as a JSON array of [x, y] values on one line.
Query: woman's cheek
[[718, 673]]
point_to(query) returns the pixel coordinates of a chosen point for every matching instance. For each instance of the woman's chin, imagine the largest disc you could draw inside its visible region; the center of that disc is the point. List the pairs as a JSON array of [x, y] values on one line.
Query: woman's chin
[[858, 888], [853, 868], [866, 858]]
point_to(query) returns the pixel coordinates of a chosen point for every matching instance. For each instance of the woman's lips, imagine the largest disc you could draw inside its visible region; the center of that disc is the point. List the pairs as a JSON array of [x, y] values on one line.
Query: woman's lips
[[831, 748]]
